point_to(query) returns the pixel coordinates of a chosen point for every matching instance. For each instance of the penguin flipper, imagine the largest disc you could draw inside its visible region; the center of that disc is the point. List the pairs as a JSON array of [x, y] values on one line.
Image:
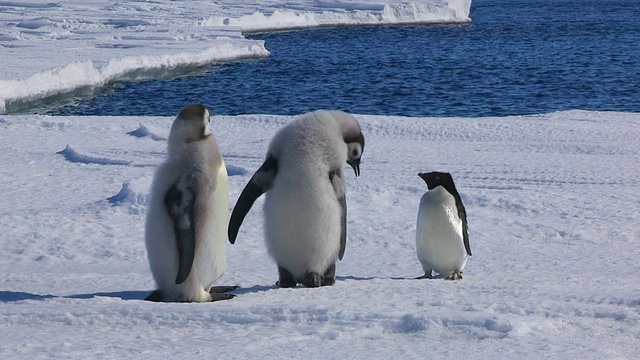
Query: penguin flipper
[[339, 188], [462, 214], [179, 201], [258, 185], [343, 227]]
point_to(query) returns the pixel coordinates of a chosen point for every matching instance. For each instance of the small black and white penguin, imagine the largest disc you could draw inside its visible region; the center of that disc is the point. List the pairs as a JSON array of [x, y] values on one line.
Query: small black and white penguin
[[305, 208], [442, 236], [187, 214]]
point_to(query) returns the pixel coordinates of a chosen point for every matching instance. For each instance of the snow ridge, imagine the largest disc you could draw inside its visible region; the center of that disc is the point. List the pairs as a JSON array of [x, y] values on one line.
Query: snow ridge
[[395, 13], [143, 131], [73, 156]]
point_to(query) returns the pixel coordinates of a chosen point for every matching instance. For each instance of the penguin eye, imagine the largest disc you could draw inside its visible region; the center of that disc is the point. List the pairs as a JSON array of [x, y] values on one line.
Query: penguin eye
[[354, 151]]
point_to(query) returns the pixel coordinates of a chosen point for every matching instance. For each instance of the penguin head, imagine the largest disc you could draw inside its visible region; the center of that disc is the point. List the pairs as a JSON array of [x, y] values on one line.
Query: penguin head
[[354, 152], [191, 124], [353, 137], [436, 178]]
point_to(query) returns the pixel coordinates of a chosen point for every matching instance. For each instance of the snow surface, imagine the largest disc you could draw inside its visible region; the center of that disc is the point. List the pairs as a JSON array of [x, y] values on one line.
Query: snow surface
[[553, 203], [69, 47]]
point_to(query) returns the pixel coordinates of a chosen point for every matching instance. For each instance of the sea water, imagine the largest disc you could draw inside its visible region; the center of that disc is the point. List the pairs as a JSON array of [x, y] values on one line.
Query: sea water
[[515, 57]]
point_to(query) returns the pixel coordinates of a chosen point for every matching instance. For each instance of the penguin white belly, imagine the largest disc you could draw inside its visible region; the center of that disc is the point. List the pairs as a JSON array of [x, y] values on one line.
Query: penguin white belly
[[439, 235], [210, 260], [302, 225]]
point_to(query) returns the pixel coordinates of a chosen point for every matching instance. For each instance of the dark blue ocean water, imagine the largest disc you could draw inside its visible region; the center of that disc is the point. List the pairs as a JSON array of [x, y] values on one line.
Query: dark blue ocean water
[[515, 57]]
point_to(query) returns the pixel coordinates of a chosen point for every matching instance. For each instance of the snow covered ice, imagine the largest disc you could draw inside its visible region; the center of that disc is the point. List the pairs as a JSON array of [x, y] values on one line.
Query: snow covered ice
[[553, 203]]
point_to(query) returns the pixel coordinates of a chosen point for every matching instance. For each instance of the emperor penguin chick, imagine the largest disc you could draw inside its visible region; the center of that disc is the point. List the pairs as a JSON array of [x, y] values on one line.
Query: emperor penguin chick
[[187, 214], [442, 236], [305, 208]]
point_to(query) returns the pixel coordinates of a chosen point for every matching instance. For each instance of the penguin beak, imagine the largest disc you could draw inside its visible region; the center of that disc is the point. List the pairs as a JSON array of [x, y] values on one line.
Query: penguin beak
[[355, 164]]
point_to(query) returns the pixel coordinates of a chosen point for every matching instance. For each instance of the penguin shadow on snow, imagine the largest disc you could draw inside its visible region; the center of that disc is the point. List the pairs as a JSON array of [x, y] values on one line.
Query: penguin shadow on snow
[[12, 296], [355, 278], [359, 278], [254, 289], [122, 295]]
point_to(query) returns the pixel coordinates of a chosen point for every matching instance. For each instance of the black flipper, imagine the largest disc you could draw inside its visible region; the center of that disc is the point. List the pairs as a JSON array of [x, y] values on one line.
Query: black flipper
[[258, 185], [179, 201], [339, 188], [343, 227], [462, 214]]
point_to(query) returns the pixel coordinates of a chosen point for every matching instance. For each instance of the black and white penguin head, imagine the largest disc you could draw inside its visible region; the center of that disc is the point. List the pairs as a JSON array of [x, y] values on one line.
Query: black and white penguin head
[[191, 124], [435, 179], [353, 137], [355, 147]]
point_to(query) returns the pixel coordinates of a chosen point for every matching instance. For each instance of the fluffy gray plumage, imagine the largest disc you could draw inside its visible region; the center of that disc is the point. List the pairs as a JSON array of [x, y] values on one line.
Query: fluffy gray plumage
[[187, 213], [305, 207]]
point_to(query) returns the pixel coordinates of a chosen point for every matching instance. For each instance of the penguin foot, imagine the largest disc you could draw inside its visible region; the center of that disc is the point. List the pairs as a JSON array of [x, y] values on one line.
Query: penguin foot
[[329, 276], [312, 279], [221, 296], [457, 275], [222, 289], [218, 292], [286, 284], [426, 275], [155, 296], [286, 279], [328, 281]]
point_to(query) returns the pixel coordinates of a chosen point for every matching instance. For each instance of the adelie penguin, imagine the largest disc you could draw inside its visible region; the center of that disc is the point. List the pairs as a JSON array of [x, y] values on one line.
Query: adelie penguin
[[442, 236], [187, 214], [305, 208]]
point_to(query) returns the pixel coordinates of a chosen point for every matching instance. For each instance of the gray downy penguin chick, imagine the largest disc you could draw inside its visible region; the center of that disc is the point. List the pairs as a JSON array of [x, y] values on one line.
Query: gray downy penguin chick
[[305, 208], [187, 214], [442, 236]]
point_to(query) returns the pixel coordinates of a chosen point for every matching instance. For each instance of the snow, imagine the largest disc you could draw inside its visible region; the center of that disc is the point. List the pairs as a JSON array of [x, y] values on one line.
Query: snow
[[71, 47], [553, 203], [398, 13]]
